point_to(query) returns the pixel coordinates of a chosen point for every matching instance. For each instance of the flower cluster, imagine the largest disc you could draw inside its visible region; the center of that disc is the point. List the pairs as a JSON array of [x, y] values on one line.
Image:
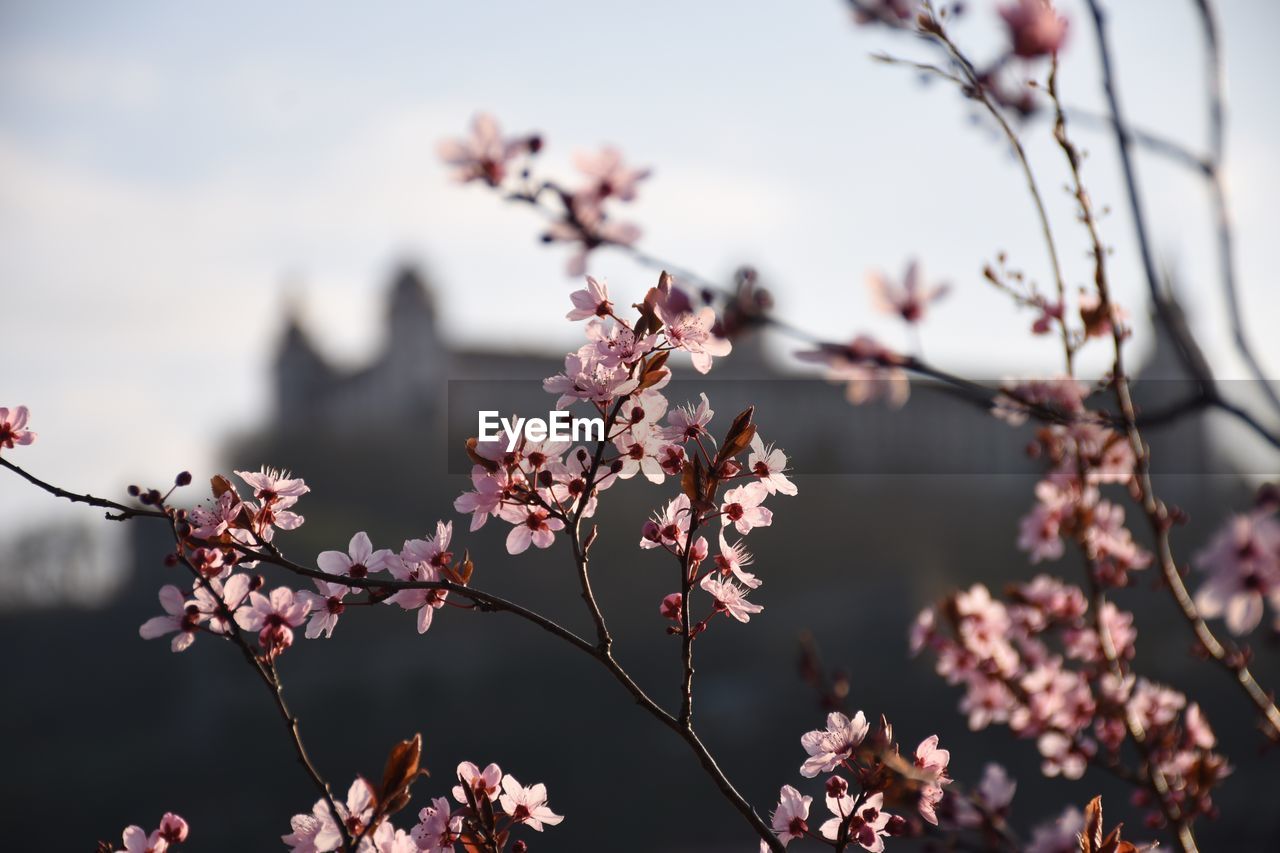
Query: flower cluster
[[863, 771], [172, 830], [1083, 455], [541, 486], [489, 806], [1037, 664], [218, 540], [583, 219]]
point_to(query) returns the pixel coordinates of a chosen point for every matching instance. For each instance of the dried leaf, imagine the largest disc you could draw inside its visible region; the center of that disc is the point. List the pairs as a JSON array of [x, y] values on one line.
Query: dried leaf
[[401, 770], [221, 485]]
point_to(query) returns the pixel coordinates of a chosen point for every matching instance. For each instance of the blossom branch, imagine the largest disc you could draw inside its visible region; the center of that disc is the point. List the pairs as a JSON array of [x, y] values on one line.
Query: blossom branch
[[1156, 512]]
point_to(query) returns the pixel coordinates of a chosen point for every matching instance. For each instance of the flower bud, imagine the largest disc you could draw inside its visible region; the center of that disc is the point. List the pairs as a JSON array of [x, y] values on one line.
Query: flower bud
[[183, 479]]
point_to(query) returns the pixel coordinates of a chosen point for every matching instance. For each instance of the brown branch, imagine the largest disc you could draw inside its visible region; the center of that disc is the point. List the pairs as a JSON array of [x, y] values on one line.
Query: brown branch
[[122, 512], [1217, 188], [1156, 512]]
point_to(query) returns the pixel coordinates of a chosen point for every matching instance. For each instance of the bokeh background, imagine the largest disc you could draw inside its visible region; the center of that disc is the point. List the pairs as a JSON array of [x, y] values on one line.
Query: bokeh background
[[202, 208]]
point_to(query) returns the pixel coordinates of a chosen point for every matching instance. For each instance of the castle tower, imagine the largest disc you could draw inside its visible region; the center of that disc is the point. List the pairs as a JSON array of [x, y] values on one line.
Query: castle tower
[[302, 376]]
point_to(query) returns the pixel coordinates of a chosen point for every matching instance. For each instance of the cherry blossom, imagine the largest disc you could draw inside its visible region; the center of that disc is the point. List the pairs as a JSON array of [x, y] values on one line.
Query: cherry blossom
[[490, 489], [908, 301], [1242, 562], [730, 598], [593, 301], [867, 826], [1059, 836], [483, 783], [13, 427], [437, 830], [182, 618], [670, 527], [687, 423], [789, 818], [172, 830], [326, 606], [359, 561], [829, 747], [216, 598], [422, 560], [586, 376], [769, 464], [732, 559], [609, 177], [485, 154], [532, 525], [274, 617], [869, 370], [693, 331], [932, 760], [527, 805], [1035, 27], [742, 508]]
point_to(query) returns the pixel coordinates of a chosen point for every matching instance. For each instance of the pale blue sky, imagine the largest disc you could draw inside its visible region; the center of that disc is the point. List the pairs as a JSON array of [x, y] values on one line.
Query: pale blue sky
[[165, 171]]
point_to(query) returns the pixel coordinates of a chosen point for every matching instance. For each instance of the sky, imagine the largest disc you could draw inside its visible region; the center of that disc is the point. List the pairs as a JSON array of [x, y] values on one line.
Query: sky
[[171, 175]]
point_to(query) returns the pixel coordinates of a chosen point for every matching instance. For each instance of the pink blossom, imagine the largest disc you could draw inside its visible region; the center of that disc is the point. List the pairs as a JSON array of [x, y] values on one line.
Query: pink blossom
[[484, 784], [730, 598], [1034, 27], [527, 805], [672, 607], [270, 484], [618, 344], [173, 828], [828, 748], [587, 377], [387, 839], [588, 227], [732, 559], [742, 508], [319, 832], [326, 606], [669, 528], [13, 427], [531, 525], [422, 560], [609, 177], [688, 422], [870, 371], [769, 464], [215, 598], [490, 489], [1060, 836], [592, 301], [359, 560], [212, 522], [136, 840], [484, 155], [436, 831], [789, 818], [994, 794], [638, 449], [181, 617], [1243, 564], [868, 826], [933, 761], [273, 617], [909, 301], [693, 331]]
